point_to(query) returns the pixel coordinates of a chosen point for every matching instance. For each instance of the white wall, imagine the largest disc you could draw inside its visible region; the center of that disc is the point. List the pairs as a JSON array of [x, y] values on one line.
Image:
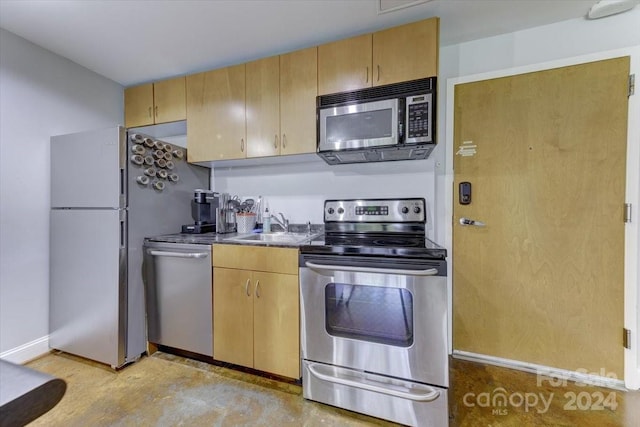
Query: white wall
[[41, 94], [299, 190]]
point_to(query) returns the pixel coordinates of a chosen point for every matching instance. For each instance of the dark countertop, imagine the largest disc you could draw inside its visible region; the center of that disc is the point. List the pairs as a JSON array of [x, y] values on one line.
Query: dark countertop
[[214, 238]]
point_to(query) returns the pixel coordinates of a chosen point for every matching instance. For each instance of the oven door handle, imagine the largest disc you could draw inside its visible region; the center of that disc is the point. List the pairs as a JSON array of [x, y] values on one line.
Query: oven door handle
[[322, 267], [429, 396]]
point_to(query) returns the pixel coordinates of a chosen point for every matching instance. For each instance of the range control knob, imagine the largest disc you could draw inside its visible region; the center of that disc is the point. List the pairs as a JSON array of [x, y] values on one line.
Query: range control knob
[[405, 210], [330, 211], [417, 209], [340, 211]]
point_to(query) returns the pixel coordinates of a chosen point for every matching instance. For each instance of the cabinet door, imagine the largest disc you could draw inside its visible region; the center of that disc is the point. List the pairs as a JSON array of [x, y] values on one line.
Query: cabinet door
[[170, 100], [138, 106], [344, 65], [216, 114], [407, 52], [233, 316], [298, 91], [276, 324], [263, 107]]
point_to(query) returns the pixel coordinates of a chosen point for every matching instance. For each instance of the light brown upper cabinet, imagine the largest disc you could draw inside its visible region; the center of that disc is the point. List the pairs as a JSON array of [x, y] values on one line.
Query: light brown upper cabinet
[[298, 91], [281, 92], [216, 114], [263, 107], [153, 103], [398, 54]]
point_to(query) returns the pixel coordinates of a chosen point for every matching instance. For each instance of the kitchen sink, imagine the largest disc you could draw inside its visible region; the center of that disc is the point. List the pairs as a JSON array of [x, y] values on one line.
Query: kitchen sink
[[274, 238]]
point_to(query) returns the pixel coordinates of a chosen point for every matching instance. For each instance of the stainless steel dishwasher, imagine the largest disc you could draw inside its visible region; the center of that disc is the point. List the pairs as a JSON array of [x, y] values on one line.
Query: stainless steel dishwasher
[[179, 295]]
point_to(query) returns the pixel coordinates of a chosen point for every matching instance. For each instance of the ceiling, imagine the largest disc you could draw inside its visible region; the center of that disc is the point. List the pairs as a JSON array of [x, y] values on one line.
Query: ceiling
[[136, 41]]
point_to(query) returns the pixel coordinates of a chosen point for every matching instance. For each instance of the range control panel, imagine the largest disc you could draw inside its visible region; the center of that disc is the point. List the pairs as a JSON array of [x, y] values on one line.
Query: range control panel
[[375, 210]]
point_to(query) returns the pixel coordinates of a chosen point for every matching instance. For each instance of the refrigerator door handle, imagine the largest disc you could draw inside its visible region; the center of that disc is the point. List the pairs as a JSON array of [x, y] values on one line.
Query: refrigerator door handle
[[196, 255]]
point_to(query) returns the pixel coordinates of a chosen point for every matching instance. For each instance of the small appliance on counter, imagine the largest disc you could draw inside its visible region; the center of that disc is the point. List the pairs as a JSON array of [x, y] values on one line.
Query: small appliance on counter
[[204, 205]]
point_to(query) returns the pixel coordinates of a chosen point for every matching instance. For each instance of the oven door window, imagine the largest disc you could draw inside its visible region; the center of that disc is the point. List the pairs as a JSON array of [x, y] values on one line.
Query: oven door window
[[369, 313]]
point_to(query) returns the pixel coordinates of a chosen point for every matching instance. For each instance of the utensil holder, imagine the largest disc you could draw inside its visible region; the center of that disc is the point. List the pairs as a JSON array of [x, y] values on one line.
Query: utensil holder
[[246, 222]]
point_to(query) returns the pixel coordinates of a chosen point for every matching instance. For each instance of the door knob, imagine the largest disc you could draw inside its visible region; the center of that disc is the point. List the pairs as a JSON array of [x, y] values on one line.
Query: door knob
[[467, 221]]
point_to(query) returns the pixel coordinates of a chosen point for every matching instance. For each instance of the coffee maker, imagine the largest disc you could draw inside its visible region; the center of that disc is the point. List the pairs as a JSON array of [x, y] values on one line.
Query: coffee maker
[[203, 211]]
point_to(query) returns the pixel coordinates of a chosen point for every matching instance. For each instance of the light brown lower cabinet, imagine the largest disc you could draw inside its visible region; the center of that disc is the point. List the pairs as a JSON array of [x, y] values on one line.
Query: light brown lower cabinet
[[256, 319]]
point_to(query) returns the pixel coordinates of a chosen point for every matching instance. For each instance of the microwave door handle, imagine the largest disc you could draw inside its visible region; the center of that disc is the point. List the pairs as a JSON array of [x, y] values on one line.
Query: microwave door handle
[[330, 268]]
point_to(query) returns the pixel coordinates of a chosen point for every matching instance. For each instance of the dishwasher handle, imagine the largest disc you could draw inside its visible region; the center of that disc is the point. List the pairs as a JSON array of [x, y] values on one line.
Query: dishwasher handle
[[196, 255]]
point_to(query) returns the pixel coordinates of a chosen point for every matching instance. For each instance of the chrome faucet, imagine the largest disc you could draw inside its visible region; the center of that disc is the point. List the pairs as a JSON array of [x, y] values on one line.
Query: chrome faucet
[[284, 223]]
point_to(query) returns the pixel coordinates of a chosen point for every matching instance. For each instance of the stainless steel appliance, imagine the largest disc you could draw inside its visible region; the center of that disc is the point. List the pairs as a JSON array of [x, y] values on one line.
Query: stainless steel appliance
[[374, 313], [109, 190], [179, 295], [383, 123], [226, 214]]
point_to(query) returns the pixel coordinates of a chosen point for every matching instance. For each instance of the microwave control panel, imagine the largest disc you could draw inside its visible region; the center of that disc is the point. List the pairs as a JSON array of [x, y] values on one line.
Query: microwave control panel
[[418, 112], [372, 210]]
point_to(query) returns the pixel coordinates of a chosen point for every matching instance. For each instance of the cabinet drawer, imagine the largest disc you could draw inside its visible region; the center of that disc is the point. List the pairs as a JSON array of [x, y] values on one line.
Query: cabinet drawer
[[256, 258]]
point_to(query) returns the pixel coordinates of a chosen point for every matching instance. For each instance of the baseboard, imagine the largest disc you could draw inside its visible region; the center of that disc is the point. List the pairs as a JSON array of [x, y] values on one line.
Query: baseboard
[[557, 375], [28, 351]]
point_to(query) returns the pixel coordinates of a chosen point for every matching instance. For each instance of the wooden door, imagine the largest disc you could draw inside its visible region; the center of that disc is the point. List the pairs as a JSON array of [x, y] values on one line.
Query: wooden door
[[542, 282], [138, 105], [216, 114], [233, 316], [298, 91], [263, 107], [276, 324], [169, 97], [344, 65], [407, 52]]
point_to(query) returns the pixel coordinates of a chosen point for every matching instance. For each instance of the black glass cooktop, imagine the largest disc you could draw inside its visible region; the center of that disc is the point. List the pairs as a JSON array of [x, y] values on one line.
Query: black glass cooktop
[[376, 245]]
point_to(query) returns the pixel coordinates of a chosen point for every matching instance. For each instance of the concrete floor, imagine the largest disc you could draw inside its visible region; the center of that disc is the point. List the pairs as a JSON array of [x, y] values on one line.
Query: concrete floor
[[169, 390]]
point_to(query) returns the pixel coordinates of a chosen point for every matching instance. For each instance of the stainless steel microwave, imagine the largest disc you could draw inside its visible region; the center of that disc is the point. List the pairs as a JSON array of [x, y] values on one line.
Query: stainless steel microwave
[[383, 123]]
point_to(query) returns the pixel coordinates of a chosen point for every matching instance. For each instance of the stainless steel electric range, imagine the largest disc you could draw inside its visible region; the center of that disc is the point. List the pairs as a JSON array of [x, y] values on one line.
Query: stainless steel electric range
[[374, 313]]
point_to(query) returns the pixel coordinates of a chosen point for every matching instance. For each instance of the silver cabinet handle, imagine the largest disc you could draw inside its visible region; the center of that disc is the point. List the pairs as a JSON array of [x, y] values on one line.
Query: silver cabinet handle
[[242, 144], [284, 140], [275, 142], [378, 73], [257, 291], [156, 111], [321, 267], [246, 287], [467, 221], [197, 255], [367, 75], [429, 395]]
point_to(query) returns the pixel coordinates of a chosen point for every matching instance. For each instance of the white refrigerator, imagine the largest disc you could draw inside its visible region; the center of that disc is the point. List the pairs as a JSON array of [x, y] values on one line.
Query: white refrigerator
[[110, 190]]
